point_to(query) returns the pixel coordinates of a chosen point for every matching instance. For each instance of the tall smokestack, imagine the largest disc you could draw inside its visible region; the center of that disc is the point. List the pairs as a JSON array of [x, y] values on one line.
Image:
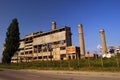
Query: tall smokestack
[[103, 40], [53, 25], [81, 38]]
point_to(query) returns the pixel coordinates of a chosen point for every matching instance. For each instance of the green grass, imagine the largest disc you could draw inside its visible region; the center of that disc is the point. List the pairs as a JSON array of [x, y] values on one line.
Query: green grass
[[82, 65]]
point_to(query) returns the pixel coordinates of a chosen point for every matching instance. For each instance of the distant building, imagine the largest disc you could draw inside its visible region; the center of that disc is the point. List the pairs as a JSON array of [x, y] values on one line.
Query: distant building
[[52, 45], [91, 55], [114, 49]]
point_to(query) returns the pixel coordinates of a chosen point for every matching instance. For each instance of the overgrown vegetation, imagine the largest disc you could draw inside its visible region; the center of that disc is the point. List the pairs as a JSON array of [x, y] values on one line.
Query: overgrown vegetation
[[82, 65]]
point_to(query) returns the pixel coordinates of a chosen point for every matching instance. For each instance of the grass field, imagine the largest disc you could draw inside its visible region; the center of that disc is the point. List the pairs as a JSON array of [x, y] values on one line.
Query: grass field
[[99, 64]]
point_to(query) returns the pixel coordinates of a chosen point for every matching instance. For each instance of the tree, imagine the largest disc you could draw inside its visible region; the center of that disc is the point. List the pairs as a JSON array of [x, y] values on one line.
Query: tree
[[11, 41]]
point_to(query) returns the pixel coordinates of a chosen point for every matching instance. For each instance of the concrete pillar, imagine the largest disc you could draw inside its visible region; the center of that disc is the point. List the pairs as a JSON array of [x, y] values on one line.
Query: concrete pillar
[[103, 40], [53, 25], [81, 38]]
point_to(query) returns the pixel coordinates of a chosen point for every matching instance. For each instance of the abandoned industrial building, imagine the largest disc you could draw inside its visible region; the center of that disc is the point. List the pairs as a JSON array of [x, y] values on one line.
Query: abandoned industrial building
[[55, 44]]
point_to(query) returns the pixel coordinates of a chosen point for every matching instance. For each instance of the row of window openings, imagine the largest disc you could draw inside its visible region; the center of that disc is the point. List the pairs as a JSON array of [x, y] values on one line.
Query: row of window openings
[[29, 39], [30, 52], [24, 49], [28, 45], [49, 45], [40, 57], [40, 50], [26, 42], [50, 56], [71, 57], [44, 57]]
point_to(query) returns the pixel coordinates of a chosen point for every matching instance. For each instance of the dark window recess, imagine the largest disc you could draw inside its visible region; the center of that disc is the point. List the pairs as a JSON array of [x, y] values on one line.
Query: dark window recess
[[26, 42], [22, 53], [28, 45], [45, 57], [29, 58], [35, 57], [62, 48], [26, 52], [35, 50], [62, 41], [49, 46], [28, 48], [63, 55], [51, 49], [40, 57], [15, 59], [44, 50], [39, 50], [30, 38], [30, 52], [69, 57], [51, 56], [20, 49], [73, 57]]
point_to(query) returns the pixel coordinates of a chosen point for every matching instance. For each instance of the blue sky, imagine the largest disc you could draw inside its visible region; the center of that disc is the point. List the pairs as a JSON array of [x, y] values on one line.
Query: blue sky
[[37, 15]]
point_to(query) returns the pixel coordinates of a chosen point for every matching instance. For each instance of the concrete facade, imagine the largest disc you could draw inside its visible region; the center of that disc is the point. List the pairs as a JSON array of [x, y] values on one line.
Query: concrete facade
[[51, 45]]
